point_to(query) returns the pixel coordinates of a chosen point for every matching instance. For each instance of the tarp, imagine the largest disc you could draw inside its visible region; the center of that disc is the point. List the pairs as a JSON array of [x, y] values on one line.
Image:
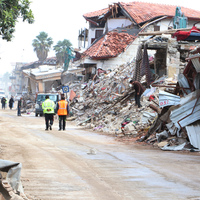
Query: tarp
[[72, 95], [193, 34]]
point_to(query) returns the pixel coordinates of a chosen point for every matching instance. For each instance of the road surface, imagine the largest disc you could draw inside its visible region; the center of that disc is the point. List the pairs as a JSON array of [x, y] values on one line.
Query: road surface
[[78, 164]]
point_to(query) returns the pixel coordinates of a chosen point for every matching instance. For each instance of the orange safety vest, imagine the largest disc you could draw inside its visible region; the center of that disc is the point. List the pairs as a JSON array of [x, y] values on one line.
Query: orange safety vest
[[62, 107]]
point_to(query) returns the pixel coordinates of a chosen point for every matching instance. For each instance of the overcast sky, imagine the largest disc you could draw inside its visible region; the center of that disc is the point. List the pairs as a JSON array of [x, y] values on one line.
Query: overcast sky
[[61, 19]]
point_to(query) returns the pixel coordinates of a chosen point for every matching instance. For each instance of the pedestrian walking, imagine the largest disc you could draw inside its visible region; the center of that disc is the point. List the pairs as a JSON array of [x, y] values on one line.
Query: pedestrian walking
[[139, 89], [19, 106], [6, 102], [3, 102], [11, 101], [48, 109], [62, 111]]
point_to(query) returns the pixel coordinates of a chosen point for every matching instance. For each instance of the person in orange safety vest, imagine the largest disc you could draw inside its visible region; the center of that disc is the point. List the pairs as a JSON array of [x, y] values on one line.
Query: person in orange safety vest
[[62, 111]]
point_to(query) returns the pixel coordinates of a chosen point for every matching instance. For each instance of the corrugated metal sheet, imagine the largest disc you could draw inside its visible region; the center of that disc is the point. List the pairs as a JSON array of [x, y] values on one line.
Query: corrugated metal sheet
[[194, 134], [168, 99], [196, 63], [181, 114], [183, 82], [197, 81], [171, 128]]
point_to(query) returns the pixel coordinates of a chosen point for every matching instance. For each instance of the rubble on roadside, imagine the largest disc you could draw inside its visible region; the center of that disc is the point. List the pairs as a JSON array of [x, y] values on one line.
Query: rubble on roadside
[[10, 184], [106, 104], [28, 104]]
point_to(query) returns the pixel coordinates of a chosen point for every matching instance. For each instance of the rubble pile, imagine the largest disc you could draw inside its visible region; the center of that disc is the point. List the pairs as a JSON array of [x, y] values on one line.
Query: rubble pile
[[167, 119], [107, 104], [28, 104]]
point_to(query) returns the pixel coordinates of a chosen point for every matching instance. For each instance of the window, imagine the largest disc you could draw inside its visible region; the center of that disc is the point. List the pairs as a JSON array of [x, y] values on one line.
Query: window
[[98, 33], [156, 28]]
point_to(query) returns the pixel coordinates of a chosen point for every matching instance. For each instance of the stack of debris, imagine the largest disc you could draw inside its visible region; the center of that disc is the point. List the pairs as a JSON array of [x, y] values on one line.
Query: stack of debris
[[169, 117], [28, 104], [106, 103]]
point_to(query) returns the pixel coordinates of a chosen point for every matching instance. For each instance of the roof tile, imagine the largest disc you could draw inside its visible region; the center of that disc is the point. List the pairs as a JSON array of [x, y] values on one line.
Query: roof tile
[[111, 45], [141, 11], [96, 13]]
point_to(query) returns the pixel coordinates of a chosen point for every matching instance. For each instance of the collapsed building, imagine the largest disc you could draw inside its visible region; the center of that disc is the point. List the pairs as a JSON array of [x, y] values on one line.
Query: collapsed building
[[169, 115], [159, 58]]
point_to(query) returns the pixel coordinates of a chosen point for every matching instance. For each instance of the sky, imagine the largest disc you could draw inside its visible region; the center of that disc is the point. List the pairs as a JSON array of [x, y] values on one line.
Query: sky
[[60, 19]]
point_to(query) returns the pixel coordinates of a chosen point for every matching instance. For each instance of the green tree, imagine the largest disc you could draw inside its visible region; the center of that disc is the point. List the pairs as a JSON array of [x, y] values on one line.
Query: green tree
[[60, 48], [42, 45], [10, 10]]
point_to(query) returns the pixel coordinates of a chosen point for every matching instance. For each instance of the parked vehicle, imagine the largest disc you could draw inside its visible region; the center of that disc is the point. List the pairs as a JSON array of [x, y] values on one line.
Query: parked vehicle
[[40, 98]]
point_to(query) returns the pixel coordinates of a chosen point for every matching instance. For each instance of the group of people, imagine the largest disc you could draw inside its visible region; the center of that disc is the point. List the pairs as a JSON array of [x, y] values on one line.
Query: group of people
[[4, 102], [11, 104], [49, 108], [62, 109]]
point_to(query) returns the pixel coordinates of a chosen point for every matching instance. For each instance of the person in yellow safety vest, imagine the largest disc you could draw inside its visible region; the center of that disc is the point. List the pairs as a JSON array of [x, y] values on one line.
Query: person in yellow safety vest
[[48, 109], [62, 111], [6, 102]]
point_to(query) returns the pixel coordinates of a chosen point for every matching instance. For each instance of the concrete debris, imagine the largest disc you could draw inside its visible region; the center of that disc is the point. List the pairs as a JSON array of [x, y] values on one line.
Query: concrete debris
[[173, 148], [28, 103], [107, 104]]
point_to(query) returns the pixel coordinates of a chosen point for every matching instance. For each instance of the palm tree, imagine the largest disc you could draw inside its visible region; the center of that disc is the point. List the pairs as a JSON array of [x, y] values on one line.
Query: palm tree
[[60, 49], [42, 45]]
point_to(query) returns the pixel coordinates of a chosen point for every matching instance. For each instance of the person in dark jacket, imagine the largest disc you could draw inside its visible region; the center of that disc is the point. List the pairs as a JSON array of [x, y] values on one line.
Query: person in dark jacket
[[19, 105], [62, 108], [139, 89], [3, 102], [11, 101]]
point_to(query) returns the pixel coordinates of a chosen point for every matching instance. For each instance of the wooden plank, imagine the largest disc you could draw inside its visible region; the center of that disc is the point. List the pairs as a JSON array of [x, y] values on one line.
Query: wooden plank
[[163, 32]]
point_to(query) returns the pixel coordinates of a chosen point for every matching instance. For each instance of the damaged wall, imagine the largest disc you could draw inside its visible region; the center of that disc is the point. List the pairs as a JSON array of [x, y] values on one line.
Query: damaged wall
[[173, 58]]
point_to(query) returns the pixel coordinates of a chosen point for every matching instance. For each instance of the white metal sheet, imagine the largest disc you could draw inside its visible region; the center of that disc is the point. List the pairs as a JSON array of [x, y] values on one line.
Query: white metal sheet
[[194, 134], [168, 99]]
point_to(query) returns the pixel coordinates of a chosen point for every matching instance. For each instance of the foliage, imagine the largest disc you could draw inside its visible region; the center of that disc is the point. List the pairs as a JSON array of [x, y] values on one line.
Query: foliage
[[10, 10], [60, 49], [42, 45]]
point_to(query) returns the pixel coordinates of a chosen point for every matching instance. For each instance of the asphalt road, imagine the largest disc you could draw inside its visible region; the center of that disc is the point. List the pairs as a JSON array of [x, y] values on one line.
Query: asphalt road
[[78, 164]]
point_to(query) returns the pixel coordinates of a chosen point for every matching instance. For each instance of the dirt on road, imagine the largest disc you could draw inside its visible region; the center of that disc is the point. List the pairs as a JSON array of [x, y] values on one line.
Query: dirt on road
[[78, 164]]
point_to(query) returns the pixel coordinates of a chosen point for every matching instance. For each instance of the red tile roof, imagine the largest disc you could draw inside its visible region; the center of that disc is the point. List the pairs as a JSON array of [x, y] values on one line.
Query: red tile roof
[[141, 11], [96, 13], [111, 45]]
